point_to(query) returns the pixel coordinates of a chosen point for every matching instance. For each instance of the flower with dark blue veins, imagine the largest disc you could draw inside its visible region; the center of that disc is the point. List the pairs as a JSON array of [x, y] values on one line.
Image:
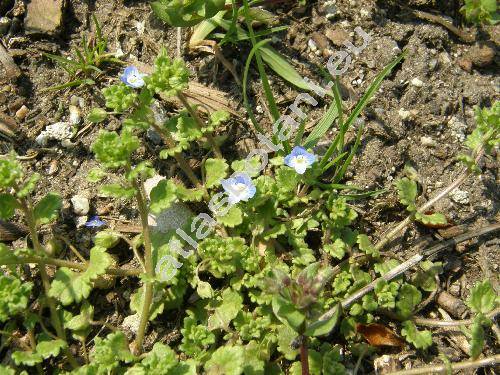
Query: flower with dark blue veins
[[299, 159], [132, 77], [95, 222], [239, 188]]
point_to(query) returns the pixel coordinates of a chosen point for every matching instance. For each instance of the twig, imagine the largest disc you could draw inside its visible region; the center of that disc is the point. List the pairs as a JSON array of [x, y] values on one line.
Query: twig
[[451, 323], [456, 182], [403, 267], [483, 362], [73, 249]]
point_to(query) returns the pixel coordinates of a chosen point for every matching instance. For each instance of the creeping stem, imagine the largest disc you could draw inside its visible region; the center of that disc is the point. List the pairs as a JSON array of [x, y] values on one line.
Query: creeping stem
[[148, 262], [54, 315], [199, 122]]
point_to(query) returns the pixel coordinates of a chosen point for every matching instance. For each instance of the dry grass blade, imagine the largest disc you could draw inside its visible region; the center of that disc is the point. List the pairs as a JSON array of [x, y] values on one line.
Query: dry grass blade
[[11, 231]]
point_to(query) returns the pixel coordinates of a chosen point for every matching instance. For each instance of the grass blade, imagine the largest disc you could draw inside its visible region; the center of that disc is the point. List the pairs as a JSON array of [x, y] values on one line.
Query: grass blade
[[245, 80], [283, 68], [347, 162], [205, 27], [322, 126]]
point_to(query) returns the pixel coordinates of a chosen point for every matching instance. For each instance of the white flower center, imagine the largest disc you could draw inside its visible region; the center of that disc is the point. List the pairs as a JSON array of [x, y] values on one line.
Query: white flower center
[[239, 187], [132, 78], [300, 159]]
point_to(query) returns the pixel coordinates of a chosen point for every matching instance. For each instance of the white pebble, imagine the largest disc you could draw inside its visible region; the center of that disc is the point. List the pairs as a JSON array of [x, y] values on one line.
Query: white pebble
[[417, 82], [405, 115], [80, 205], [460, 196], [312, 45], [428, 141], [58, 131]]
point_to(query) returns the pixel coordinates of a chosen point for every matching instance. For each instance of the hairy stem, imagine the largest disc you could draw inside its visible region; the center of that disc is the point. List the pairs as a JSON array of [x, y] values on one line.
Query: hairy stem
[[441, 369], [69, 264], [199, 122], [54, 315], [183, 164], [148, 262], [304, 356]]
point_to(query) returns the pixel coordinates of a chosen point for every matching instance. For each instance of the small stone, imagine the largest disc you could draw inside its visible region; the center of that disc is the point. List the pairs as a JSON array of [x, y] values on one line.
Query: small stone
[[59, 131], [405, 115], [433, 64], [81, 221], [44, 16], [428, 142], [337, 36], [312, 45], [320, 40], [481, 55], [131, 323], [153, 136], [460, 196], [386, 364], [465, 64], [22, 112], [80, 205], [4, 25], [417, 82], [74, 115]]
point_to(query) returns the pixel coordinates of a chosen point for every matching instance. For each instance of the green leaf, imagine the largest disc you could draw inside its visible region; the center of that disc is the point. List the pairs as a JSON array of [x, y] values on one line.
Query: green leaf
[[50, 348], [117, 191], [10, 171], [218, 117], [8, 205], [227, 360], [96, 175], [46, 210], [477, 337], [426, 277], [14, 294], [286, 336], [419, 339], [282, 67], [322, 126], [215, 170], [162, 196], [230, 303], [431, 219], [324, 327], [408, 298], [232, 218], [69, 287], [184, 14], [29, 185], [407, 191], [113, 150], [160, 360], [81, 321], [204, 289], [286, 312], [26, 358], [337, 249], [97, 115], [107, 239], [109, 352], [366, 246], [483, 298]]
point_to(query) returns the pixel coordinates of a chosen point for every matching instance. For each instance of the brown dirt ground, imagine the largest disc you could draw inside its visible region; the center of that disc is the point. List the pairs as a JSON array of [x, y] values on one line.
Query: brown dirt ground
[[405, 124]]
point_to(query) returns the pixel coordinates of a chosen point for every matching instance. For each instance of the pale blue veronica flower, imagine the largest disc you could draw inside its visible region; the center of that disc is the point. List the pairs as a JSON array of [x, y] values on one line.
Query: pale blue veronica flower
[[132, 77], [95, 222], [299, 159], [239, 188]]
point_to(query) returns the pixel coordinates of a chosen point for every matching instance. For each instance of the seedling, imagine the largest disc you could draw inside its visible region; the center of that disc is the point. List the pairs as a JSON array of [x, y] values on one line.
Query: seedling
[[85, 66]]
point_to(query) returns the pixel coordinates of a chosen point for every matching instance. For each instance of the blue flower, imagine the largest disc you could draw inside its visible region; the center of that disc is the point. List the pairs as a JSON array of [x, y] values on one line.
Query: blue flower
[[131, 77], [239, 188], [299, 159], [95, 222]]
